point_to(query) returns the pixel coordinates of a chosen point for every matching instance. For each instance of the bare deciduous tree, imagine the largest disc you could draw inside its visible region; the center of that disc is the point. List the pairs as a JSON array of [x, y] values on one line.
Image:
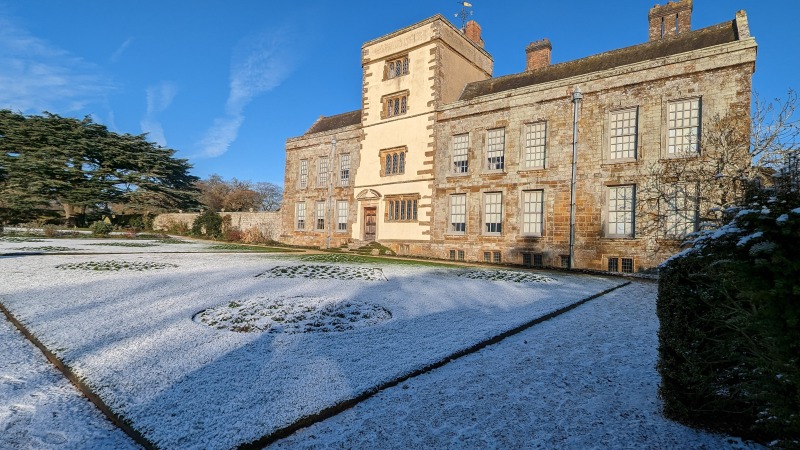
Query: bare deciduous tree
[[691, 189]]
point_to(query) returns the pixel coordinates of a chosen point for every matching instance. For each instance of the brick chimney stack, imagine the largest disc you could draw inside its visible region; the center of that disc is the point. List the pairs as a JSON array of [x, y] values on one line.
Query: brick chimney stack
[[538, 54], [670, 20], [473, 31]]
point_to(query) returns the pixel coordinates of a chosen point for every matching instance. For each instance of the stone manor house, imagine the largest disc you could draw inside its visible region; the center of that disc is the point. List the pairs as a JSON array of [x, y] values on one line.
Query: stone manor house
[[537, 168]]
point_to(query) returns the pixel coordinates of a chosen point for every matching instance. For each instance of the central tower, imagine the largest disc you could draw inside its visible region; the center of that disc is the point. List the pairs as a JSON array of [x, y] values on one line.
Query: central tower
[[407, 75]]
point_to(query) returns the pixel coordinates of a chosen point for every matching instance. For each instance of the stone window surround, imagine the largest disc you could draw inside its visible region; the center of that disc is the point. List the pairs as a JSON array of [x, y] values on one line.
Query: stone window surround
[[386, 100], [681, 214], [300, 216], [400, 153], [463, 213], [609, 144], [525, 213], [390, 69], [323, 167], [665, 104], [524, 147], [342, 213], [492, 210], [303, 173], [401, 208], [319, 222], [612, 209], [344, 169], [460, 139], [495, 150]]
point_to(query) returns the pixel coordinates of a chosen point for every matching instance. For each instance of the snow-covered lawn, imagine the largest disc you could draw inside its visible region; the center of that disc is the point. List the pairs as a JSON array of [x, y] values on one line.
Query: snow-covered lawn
[[156, 344]]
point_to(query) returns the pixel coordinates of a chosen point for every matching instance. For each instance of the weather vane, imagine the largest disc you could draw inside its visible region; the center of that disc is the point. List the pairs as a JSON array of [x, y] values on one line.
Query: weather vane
[[464, 14]]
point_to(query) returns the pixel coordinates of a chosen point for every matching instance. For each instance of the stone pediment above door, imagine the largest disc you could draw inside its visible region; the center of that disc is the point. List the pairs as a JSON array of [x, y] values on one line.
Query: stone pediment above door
[[368, 194]]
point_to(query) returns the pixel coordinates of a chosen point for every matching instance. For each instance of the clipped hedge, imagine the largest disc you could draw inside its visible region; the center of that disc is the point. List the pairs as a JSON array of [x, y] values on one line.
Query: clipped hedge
[[729, 338]]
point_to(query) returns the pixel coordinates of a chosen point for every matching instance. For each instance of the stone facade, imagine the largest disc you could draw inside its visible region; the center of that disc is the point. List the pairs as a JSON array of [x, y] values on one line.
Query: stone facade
[[454, 105]]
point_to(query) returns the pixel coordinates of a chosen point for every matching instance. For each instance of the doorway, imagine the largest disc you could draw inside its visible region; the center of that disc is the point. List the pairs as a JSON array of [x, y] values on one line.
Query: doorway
[[370, 223]]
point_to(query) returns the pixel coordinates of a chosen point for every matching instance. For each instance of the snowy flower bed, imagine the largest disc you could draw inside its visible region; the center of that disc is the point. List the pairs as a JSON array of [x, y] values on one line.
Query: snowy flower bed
[[294, 315], [115, 265], [125, 244], [321, 272], [506, 275], [46, 248]]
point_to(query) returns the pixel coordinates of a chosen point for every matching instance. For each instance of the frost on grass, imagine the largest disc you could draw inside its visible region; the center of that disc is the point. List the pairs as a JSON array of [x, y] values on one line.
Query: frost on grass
[[325, 272], [46, 248], [115, 265], [124, 244], [294, 315], [506, 275]]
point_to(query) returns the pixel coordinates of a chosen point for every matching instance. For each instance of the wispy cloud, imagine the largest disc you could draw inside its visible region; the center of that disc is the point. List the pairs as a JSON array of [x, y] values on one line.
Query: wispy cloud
[[159, 98], [37, 76], [259, 64], [120, 50]]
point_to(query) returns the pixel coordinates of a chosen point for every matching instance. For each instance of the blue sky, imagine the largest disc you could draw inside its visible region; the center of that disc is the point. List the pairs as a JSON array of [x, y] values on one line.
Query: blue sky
[[227, 82]]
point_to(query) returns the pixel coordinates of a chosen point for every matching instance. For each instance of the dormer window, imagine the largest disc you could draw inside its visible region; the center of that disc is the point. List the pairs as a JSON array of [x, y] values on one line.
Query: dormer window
[[397, 67]]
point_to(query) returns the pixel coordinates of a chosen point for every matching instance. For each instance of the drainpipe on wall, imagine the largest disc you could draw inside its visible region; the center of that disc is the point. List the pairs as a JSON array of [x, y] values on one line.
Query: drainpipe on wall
[[576, 105], [329, 213]]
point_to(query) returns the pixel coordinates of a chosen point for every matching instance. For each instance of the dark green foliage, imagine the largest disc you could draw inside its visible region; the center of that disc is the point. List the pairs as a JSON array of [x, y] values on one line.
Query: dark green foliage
[[729, 309], [208, 224], [101, 228], [50, 162]]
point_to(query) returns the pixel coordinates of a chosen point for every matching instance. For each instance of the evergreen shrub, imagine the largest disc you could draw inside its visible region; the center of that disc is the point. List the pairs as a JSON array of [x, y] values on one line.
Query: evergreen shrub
[[207, 224], [101, 228], [729, 312]]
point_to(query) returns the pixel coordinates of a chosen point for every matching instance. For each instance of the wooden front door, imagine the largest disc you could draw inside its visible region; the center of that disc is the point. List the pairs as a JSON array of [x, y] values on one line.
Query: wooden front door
[[370, 219]]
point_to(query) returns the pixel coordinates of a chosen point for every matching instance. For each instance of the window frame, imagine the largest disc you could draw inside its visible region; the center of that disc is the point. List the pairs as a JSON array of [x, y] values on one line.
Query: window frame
[[300, 219], [531, 145], [459, 166], [614, 209], [344, 169], [322, 171], [319, 215], [403, 208], [618, 143], [393, 161], [303, 173], [391, 67], [681, 210], [495, 148], [396, 101], [526, 213], [462, 214], [340, 216], [492, 228], [670, 146]]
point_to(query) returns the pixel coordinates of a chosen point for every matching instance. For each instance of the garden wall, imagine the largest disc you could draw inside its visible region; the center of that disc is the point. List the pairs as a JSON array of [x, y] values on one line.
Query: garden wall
[[269, 222]]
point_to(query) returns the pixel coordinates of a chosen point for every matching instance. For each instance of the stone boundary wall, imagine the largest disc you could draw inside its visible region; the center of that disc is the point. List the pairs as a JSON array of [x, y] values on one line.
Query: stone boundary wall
[[269, 222]]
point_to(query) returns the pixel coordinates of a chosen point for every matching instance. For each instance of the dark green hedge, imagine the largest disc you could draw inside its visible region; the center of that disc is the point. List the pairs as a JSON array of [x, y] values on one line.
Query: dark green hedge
[[729, 338]]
